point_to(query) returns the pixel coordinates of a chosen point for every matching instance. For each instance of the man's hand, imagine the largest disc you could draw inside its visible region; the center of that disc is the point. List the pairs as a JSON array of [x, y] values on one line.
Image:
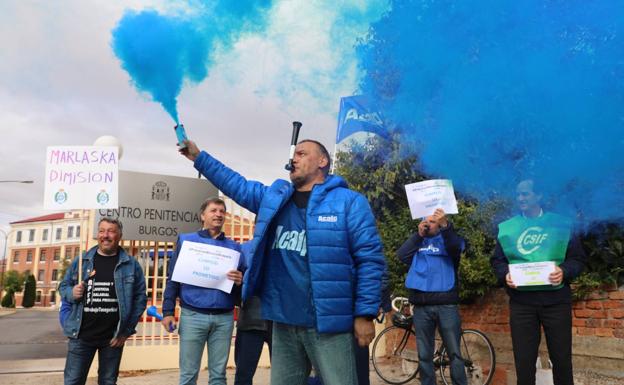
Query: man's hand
[[169, 323], [556, 277], [440, 216], [191, 151], [235, 276], [118, 341], [364, 331], [422, 228], [509, 281], [78, 291]]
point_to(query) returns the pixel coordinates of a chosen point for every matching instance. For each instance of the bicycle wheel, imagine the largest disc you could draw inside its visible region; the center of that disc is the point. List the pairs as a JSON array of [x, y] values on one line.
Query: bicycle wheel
[[479, 358], [395, 358]]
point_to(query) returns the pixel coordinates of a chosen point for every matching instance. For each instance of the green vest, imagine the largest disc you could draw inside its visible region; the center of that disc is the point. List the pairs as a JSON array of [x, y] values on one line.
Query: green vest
[[539, 239]]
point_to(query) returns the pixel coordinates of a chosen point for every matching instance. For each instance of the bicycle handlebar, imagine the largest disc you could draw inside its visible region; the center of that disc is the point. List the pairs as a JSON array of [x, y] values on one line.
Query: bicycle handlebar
[[402, 302]]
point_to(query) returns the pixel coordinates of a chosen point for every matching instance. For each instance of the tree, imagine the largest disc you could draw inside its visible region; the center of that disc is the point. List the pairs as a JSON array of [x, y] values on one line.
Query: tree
[[30, 288], [13, 283], [8, 300], [380, 169]]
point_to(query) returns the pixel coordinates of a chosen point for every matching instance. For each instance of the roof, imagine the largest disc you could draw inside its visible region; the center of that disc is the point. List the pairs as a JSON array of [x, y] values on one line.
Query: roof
[[44, 218]]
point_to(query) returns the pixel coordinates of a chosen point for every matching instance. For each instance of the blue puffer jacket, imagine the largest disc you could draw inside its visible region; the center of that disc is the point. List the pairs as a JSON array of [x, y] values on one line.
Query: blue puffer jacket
[[129, 287], [344, 249]]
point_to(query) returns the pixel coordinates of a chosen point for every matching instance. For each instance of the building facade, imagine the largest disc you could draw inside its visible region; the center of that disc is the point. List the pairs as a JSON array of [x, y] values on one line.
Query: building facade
[[42, 246]]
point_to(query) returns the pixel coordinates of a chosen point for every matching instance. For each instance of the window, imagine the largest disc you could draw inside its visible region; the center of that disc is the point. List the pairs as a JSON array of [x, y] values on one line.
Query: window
[[55, 275], [52, 296], [18, 237], [77, 251], [31, 235], [68, 252], [59, 232], [38, 296], [44, 237], [57, 254], [41, 275], [77, 231], [16, 257], [29, 256], [70, 232], [42, 256]]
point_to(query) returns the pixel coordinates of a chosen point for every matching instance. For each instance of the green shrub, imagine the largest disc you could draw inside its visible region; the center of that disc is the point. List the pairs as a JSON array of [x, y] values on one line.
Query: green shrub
[[8, 300], [380, 170]]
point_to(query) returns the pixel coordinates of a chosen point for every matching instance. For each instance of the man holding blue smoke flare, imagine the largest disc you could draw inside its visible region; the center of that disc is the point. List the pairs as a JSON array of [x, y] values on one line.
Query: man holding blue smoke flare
[[316, 262], [538, 236]]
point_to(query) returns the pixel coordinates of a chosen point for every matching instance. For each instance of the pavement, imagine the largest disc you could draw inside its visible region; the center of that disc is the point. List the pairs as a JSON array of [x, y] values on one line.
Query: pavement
[[170, 376], [126, 378]]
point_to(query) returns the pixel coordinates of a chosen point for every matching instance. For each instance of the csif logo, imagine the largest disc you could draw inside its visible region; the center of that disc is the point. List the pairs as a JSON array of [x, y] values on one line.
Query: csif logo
[[370, 117], [531, 239]]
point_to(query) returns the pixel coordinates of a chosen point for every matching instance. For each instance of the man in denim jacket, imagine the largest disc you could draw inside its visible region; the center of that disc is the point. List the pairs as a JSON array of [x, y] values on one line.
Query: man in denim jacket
[[105, 306]]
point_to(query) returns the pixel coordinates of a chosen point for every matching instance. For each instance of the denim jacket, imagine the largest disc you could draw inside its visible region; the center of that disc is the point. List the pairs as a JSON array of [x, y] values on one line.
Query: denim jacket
[[129, 287]]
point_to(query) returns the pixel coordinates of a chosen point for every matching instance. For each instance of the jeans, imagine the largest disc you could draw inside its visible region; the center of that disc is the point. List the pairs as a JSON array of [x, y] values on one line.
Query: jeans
[[247, 350], [198, 330], [296, 349], [80, 355], [446, 318], [525, 321]]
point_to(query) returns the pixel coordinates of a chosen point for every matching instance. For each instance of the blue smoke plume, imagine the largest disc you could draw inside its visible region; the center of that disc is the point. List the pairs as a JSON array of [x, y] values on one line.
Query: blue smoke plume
[[493, 91], [161, 52]]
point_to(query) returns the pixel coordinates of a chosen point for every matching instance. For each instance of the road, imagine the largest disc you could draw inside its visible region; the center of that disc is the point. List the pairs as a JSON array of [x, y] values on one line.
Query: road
[[31, 334]]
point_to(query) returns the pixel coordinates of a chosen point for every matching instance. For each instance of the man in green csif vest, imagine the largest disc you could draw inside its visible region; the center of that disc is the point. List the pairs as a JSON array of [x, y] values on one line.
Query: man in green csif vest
[[536, 236]]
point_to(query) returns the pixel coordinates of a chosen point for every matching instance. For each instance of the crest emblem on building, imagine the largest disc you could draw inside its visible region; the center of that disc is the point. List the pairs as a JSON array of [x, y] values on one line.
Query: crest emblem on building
[[160, 191]]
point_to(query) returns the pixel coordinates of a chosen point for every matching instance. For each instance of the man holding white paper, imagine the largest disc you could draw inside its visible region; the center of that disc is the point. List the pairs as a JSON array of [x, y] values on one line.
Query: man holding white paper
[[433, 255], [198, 275], [536, 257]]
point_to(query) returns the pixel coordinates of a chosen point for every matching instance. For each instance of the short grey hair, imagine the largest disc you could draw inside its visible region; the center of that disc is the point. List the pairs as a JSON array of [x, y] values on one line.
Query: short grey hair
[[113, 221]]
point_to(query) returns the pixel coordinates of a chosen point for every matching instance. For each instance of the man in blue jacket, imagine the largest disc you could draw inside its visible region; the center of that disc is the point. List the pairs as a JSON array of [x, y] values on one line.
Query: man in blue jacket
[[206, 317], [433, 256], [105, 306], [316, 262]]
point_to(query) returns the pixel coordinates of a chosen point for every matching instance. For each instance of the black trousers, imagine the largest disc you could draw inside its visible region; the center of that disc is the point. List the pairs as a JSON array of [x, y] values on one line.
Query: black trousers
[[247, 350], [525, 321], [362, 361]]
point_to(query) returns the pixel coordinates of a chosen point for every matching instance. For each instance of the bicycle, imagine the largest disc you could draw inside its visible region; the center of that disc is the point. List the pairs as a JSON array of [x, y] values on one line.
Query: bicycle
[[395, 358]]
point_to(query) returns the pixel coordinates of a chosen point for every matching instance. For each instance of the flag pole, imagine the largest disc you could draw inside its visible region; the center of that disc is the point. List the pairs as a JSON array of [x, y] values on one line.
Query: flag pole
[[333, 163]]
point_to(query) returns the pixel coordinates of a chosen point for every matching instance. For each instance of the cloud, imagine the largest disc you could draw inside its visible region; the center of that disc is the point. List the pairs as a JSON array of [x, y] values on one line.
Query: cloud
[[60, 84]]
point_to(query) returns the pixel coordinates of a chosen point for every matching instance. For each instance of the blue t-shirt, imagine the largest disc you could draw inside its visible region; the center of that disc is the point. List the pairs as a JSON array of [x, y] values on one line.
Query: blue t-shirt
[[287, 290]]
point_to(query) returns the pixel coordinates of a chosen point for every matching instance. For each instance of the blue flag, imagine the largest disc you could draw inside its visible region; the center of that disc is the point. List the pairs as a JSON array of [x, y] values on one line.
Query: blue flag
[[357, 113]]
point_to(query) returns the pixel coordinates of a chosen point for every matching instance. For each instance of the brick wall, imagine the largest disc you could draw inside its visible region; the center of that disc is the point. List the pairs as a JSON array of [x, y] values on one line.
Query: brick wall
[[598, 332]]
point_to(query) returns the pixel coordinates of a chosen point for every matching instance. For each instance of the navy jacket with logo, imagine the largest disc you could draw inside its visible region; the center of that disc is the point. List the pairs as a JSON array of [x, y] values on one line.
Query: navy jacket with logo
[[344, 248], [432, 278]]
